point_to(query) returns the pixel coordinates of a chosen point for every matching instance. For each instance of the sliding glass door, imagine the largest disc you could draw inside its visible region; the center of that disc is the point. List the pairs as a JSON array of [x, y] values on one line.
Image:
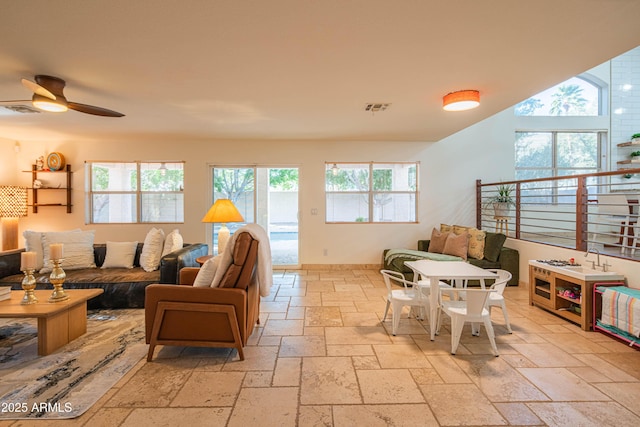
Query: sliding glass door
[[267, 196]]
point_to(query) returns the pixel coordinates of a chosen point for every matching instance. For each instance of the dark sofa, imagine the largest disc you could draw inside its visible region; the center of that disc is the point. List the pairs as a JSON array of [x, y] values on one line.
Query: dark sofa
[[123, 287], [496, 256]]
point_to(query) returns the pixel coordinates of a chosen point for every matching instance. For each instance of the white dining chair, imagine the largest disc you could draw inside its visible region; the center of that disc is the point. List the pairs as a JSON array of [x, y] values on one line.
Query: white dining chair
[[473, 310], [408, 295], [496, 299]]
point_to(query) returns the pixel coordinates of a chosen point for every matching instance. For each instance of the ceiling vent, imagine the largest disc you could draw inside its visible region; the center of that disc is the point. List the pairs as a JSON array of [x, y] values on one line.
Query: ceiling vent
[[375, 107], [21, 109]]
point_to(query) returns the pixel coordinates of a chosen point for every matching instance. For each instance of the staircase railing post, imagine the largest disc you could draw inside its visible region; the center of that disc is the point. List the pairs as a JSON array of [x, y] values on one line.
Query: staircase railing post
[[582, 220]]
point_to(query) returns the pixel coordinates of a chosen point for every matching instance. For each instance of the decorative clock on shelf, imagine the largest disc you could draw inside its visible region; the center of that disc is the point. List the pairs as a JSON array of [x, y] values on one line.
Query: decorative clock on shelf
[[55, 161]]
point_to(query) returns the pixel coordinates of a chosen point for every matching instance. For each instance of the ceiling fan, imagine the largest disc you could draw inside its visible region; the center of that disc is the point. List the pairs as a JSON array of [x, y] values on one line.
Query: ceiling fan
[[48, 96]]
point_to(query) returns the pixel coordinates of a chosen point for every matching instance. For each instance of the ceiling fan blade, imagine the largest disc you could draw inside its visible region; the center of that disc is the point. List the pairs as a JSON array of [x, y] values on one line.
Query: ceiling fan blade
[[96, 111], [36, 88]]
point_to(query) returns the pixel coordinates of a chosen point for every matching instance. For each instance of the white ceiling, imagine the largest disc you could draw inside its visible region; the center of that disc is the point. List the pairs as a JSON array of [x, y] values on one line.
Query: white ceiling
[[295, 69]]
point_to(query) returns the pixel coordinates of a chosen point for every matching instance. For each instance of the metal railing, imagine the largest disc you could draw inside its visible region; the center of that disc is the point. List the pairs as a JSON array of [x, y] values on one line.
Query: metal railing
[[598, 210]]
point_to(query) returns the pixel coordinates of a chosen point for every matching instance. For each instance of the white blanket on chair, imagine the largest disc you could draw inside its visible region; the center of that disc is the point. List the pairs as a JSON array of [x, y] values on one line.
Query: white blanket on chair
[[264, 273]]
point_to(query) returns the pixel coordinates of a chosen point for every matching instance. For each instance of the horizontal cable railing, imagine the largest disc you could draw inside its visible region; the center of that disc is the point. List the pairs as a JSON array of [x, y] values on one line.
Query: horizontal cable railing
[[598, 210]]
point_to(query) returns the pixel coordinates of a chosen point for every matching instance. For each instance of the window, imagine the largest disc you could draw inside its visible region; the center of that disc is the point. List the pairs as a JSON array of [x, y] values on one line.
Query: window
[[134, 192], [557, 142], [547, 154], [371, 192], [574, 97]]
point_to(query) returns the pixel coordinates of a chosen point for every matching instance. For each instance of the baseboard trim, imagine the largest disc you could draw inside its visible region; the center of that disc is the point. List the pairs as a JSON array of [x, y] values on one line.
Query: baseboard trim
[[341, 267]]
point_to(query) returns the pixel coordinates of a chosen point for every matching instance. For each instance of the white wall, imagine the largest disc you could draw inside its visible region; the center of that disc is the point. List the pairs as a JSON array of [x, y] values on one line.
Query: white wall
[[448, 170]]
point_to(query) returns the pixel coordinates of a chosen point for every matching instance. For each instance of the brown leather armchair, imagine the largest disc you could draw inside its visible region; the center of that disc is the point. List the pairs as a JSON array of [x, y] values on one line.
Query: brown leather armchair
[[207, 317]]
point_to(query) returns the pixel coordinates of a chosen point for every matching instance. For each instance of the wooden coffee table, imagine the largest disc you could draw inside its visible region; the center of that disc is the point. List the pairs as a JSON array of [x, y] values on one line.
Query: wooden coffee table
[[59, 323]]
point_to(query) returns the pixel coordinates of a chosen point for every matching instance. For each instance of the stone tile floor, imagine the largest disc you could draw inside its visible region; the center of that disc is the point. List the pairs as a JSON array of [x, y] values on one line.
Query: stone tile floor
[[322, 357]]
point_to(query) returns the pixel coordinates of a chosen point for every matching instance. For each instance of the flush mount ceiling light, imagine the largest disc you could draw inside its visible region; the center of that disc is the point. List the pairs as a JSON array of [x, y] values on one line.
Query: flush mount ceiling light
[[461, 100]]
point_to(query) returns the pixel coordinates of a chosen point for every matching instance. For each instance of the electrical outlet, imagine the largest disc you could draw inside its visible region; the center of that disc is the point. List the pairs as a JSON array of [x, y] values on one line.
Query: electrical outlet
[[314, 211], [325, 252]]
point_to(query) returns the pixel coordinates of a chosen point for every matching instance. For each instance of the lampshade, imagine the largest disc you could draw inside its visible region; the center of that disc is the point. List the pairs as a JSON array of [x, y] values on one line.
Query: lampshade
[[13, 204], [13, 201], [461, 100], [223, 210]]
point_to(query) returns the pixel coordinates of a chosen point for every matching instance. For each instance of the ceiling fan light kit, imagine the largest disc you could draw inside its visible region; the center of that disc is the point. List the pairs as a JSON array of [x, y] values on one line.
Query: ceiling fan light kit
[[48, 104], [461, 100]]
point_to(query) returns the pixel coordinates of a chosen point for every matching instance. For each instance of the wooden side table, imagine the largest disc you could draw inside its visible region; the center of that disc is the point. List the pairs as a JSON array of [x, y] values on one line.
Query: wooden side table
[[202, 259]]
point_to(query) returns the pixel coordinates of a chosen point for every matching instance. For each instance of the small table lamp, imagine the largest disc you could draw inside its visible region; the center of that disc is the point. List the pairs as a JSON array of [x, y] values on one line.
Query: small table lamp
[[13, 204], [223, 211]]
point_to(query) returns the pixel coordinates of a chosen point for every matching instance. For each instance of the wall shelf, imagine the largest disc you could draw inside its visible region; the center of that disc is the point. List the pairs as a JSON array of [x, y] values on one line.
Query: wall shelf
[[629, 162], [628, 143], [66, 188]]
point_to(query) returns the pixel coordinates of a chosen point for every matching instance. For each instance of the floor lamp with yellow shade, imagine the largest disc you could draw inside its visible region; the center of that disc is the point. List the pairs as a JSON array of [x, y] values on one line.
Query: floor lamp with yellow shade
[[223, 211], [13, 205]]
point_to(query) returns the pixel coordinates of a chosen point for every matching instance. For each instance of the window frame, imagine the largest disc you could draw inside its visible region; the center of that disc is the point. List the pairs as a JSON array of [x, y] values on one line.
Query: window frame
[[588, 79], [138, 193], [370, 193], [601, 141], [554, 196]]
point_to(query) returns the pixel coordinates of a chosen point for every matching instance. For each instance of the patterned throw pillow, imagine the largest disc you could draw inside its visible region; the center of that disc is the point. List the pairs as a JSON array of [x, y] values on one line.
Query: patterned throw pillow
[[476, 239], [444, 228], [476, 243]]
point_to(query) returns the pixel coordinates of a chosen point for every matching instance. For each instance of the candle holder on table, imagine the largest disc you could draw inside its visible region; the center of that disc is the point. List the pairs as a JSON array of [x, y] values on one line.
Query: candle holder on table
[[56, 278], [29, 285]]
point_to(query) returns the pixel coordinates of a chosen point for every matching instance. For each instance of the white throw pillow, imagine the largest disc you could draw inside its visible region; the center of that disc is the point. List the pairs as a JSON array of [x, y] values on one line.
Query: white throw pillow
[[120, 255], [152, 250], [205, 275], [77, 249], [172, 242], [33, 243]]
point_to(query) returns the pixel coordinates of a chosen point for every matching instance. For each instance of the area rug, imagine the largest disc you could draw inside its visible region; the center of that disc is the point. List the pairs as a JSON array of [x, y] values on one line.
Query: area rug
[[68, 382]]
